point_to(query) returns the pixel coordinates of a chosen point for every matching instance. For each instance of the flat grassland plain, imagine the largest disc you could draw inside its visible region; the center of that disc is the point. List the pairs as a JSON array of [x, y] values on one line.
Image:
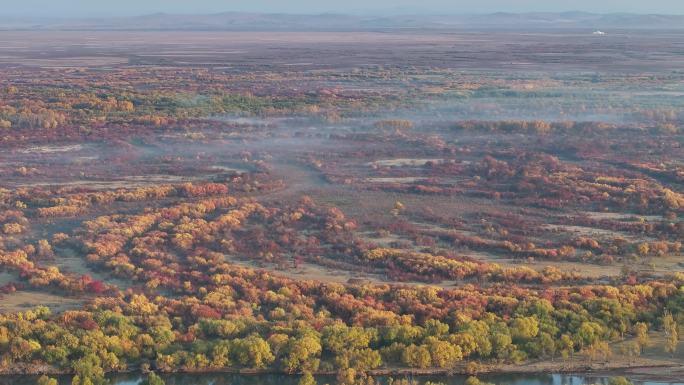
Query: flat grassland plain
[[443, 201]]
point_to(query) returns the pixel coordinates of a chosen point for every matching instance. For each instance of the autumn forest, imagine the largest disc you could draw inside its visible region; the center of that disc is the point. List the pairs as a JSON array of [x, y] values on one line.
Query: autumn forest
[[255, 203]]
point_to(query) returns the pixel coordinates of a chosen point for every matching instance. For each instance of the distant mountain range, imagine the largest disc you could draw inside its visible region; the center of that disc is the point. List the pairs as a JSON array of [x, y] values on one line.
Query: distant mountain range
[[276, 22]]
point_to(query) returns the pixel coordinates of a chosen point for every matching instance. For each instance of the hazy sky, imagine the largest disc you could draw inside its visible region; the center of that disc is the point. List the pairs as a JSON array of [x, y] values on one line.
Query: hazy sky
[[81, 8]]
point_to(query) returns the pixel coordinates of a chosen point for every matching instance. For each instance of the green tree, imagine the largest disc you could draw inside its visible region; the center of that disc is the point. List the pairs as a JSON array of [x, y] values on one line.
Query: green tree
[[566, 346], [465, 341], [339, 338], [362, 359], [45, 380], [524, 328], [253, 352], [436, 328], [220, 354], [479, 331], [416, 356], [307, 379], [302, 353], [542, 346], [475, 381], [346, 377], [153, 379], [88, 371], [502, 345], [444, 354], [587, 334]]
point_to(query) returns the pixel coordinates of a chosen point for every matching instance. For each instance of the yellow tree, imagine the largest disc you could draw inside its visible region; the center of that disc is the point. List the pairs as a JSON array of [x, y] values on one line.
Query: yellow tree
[[641, 334], [671, 332]]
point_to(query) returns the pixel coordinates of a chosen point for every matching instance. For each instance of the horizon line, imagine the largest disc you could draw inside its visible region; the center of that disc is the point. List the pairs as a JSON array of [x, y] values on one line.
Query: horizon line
[[331, 13]]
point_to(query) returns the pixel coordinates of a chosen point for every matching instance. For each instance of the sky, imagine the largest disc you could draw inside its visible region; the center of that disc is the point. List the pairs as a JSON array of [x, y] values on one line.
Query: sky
[[86, 8]]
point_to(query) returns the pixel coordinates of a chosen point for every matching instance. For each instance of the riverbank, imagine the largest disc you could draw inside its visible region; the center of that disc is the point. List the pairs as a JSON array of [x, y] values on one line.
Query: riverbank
[[642, 369]]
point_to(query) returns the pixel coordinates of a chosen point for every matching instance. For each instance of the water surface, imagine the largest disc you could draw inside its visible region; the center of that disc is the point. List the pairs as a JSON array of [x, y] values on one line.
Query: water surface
[[278, 379]]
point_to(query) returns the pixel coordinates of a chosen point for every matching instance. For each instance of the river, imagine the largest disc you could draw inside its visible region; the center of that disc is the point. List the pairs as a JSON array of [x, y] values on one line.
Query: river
[[275, 379]]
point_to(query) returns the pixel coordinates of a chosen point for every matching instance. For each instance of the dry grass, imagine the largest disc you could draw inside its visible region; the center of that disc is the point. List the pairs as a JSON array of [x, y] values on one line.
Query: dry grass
[[26, 300]]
